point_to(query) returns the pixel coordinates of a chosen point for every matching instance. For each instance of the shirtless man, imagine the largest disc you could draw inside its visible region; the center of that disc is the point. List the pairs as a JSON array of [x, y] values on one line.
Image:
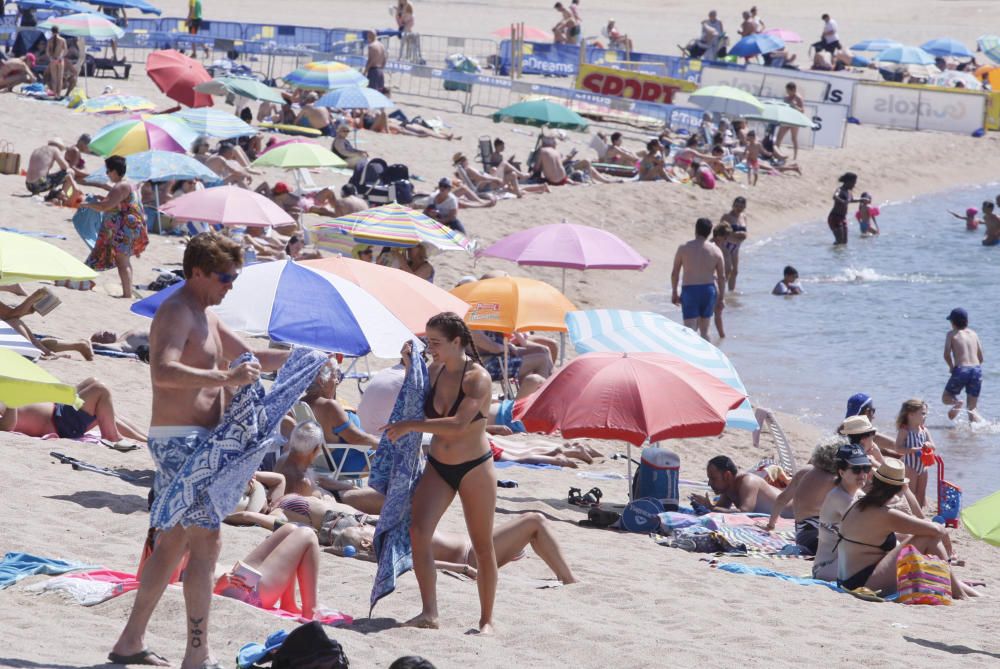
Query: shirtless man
[[14, 71], [223, 162], [806, 493], [704, 269], [315, 117], [736, 218], [964, 354], [505, 180], [189, 354], [795, 101], [74, 156], [738, 493], [39, 178], [567, 31], [748, 27], [56, 49], [992, 224], [375, 65], [349, 202], [552, 166]]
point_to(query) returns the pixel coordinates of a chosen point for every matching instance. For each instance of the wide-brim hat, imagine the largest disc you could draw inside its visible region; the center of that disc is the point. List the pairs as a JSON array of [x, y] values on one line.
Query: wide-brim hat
[[893, 472], [856, 425], [457, 158]]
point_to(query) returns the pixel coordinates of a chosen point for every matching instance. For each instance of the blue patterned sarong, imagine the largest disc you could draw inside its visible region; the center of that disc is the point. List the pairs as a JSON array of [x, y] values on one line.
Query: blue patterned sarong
[[395, 470], [200, 477]]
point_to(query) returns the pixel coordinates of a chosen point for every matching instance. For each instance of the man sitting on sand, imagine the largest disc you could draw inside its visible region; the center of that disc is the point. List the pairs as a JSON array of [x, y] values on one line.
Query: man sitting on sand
[[746, 491], [704, 284], [49, 346], [311, 116], [40, 178], [552, 167], [806, 493], [39, 420], [223, 162], [14, 71]]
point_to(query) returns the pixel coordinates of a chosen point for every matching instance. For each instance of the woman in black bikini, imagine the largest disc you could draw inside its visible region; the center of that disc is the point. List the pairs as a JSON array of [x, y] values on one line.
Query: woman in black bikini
[[459, 461], [842, 197]]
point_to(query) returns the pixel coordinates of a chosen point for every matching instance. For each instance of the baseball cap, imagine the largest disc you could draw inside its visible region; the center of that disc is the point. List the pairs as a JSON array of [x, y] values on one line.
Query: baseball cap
[[444, 182], [959, 314], [281, 188], [853, 454]]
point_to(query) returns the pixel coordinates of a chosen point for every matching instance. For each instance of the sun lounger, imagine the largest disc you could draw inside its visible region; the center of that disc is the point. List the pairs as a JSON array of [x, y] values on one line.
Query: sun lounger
[[786, 459], [336, 458], [9, 338]]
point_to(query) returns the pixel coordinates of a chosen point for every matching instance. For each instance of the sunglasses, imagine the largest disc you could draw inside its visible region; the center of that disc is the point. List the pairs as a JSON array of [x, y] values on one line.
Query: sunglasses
[[366, 252], [227, 277], [861, 469]]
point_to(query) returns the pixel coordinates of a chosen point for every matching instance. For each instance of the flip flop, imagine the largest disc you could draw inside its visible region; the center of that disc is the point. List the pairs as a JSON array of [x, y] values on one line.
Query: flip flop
[[144, 656], [120, 446]]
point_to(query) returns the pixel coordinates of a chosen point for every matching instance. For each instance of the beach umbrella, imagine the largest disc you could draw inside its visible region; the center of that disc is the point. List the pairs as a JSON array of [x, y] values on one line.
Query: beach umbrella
[[147, 133], [84, 25], [990, 46], [56, 5], [781, 113], [324, 79], [949, 79], [243, 87], [876, 45], [982, 519], [115, 104], [541, 112], [299, 154], [355, 97], [789, 36], [726, 100], [215, 123], [327, 66], [308, 307], [159, 166], [913, 70], [141, 5], [531, 34], [24, 258], [905, 55], [408, 297], [176, 75], [757, 44], [946, 48], [514, 304], [397, 226], [614, 330], [227, 205], [22, 382]]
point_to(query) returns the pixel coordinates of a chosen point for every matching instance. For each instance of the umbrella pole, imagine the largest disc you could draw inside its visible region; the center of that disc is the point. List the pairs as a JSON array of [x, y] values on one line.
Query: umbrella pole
[[156, 198], [629, 471], [562, 335], [505, 384]]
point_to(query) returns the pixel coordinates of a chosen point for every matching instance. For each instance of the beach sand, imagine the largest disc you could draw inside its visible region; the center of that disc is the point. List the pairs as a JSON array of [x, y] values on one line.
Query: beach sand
[[639, 604]]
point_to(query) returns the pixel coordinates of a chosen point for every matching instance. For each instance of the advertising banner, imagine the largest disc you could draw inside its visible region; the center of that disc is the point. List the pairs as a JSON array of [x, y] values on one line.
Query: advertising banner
[[919, 107], [632, 85], [769, 82], [563, 60]]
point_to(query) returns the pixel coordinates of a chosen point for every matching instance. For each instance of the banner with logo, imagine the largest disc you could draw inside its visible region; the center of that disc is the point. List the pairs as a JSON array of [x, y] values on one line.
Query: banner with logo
[[770, 82], [919, 107], [563, 60], [993, 111], [632, 85]]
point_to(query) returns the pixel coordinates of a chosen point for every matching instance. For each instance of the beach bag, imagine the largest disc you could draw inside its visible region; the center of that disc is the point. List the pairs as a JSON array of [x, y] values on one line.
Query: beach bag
[[308, 647], [10, 162], [403, 191], [922, 580], [396, 172], [642, 515], [658, 477], [696, 540]]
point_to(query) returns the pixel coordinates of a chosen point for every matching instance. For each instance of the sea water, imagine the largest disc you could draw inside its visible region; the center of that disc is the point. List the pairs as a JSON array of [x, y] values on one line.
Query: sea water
[[873, 320]]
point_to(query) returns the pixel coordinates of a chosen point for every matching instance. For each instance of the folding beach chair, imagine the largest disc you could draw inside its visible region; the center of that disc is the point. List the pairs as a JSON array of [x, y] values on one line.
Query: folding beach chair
[[343, 461], [786, 459], [485, 150]]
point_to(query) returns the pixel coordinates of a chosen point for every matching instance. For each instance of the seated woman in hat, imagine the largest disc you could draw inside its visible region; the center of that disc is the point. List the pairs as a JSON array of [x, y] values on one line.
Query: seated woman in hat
[[871, 536]]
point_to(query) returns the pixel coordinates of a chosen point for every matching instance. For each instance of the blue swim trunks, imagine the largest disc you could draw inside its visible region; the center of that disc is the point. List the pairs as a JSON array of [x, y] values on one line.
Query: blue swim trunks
[[505, 416], [71, 423], [698, 301], [992, 242], [969, 379]]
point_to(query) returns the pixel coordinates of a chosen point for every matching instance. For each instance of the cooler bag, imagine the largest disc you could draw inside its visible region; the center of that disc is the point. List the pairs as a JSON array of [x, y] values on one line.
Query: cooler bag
[[658, 477]]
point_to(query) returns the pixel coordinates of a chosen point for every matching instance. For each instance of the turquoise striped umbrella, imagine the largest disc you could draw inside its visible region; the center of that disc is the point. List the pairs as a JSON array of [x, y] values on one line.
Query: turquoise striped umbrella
[[324, 79], [84, 25], [115, 104], [990, 46], [215, 123], [610, 330], [397, 226]]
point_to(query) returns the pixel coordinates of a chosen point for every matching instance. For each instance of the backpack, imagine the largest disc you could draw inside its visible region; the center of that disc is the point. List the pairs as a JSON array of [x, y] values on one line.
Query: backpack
[[394, 173], [403, 191], [308, 647]]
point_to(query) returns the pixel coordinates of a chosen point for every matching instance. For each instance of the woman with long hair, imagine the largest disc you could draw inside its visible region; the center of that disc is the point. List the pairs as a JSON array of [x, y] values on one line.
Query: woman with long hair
[[459, 461]]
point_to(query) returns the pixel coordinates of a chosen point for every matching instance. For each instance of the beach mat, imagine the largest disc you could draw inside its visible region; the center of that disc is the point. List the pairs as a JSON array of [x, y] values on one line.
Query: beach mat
[[508, 465]]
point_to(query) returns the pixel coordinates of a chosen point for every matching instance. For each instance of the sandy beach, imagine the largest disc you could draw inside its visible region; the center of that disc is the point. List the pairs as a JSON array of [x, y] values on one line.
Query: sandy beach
[[639, 604]]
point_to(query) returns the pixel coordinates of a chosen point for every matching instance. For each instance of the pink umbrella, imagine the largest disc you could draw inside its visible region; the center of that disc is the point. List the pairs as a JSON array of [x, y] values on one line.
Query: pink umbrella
[[787, 35], [227, 205], [531, 34]]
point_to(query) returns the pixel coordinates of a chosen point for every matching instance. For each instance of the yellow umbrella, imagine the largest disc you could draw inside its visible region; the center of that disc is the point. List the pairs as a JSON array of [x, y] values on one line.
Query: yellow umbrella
[[514, 304], [982, 519], [23, 382], [24, 258]]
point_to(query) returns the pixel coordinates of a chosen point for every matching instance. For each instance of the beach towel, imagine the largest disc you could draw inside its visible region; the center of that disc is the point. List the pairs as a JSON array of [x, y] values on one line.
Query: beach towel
[[736, 568], [395, 470], [33, 233], [87, 223], [504, 464], [199, 481], [16, 566]]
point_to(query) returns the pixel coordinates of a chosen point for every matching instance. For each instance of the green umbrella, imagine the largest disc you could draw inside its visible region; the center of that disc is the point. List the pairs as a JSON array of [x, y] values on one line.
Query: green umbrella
[[299, 154], [248, 88], [982, 519], [726, 100], [22, 382], [782, 114], [542, 112], [24, 258]]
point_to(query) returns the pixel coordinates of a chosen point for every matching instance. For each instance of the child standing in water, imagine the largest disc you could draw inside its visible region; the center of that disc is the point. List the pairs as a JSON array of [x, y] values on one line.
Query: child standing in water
[[842, 197], [867, 215], [971, 221], [964, 354], [911, 440], [721, 234]]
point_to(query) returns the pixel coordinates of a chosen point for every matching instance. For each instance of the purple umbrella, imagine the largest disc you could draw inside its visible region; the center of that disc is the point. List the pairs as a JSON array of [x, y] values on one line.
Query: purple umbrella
[[568, 246]]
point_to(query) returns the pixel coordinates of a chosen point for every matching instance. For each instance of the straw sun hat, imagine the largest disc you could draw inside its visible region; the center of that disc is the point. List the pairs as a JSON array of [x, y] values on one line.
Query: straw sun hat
[[856, 425], [893, 472]]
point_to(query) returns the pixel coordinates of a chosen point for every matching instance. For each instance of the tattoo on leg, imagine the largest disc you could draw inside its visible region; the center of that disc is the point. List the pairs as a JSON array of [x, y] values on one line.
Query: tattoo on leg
[[196, 632]]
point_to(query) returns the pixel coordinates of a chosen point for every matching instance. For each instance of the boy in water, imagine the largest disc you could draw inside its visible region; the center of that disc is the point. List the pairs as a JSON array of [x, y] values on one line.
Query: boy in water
[[720, 237], [964, 354], [992, 224], [789, 284]]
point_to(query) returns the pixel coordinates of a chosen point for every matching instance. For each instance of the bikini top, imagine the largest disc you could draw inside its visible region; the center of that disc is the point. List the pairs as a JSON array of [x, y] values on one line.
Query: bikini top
[[429, 409], [885, 546]]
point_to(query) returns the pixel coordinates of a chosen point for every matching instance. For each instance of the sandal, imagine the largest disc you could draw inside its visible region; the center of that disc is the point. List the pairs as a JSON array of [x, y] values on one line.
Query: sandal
[[574, 497], [144, 656], [592, 498]]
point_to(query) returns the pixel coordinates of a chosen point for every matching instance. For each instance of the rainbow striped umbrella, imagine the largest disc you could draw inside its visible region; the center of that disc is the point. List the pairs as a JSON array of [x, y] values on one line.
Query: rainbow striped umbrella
[[147, 133], [397, 226], [215, 123], [93, 26], [326, 66], [115, 104], [324, 80]]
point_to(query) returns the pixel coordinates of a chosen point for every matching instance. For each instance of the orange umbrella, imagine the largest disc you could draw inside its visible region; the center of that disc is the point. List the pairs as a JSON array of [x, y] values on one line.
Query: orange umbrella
[[410, 299], [993, 72], [176, 75], [514, 304]]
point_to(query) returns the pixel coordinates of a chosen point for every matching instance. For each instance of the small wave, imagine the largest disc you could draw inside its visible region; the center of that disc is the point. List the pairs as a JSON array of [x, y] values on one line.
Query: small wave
[[982, 426], [869, 275]]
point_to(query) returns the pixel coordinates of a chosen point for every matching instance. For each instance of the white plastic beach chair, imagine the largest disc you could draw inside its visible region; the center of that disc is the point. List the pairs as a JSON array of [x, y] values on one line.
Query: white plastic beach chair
[[11, 339], [334, 456], [786, 458]]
